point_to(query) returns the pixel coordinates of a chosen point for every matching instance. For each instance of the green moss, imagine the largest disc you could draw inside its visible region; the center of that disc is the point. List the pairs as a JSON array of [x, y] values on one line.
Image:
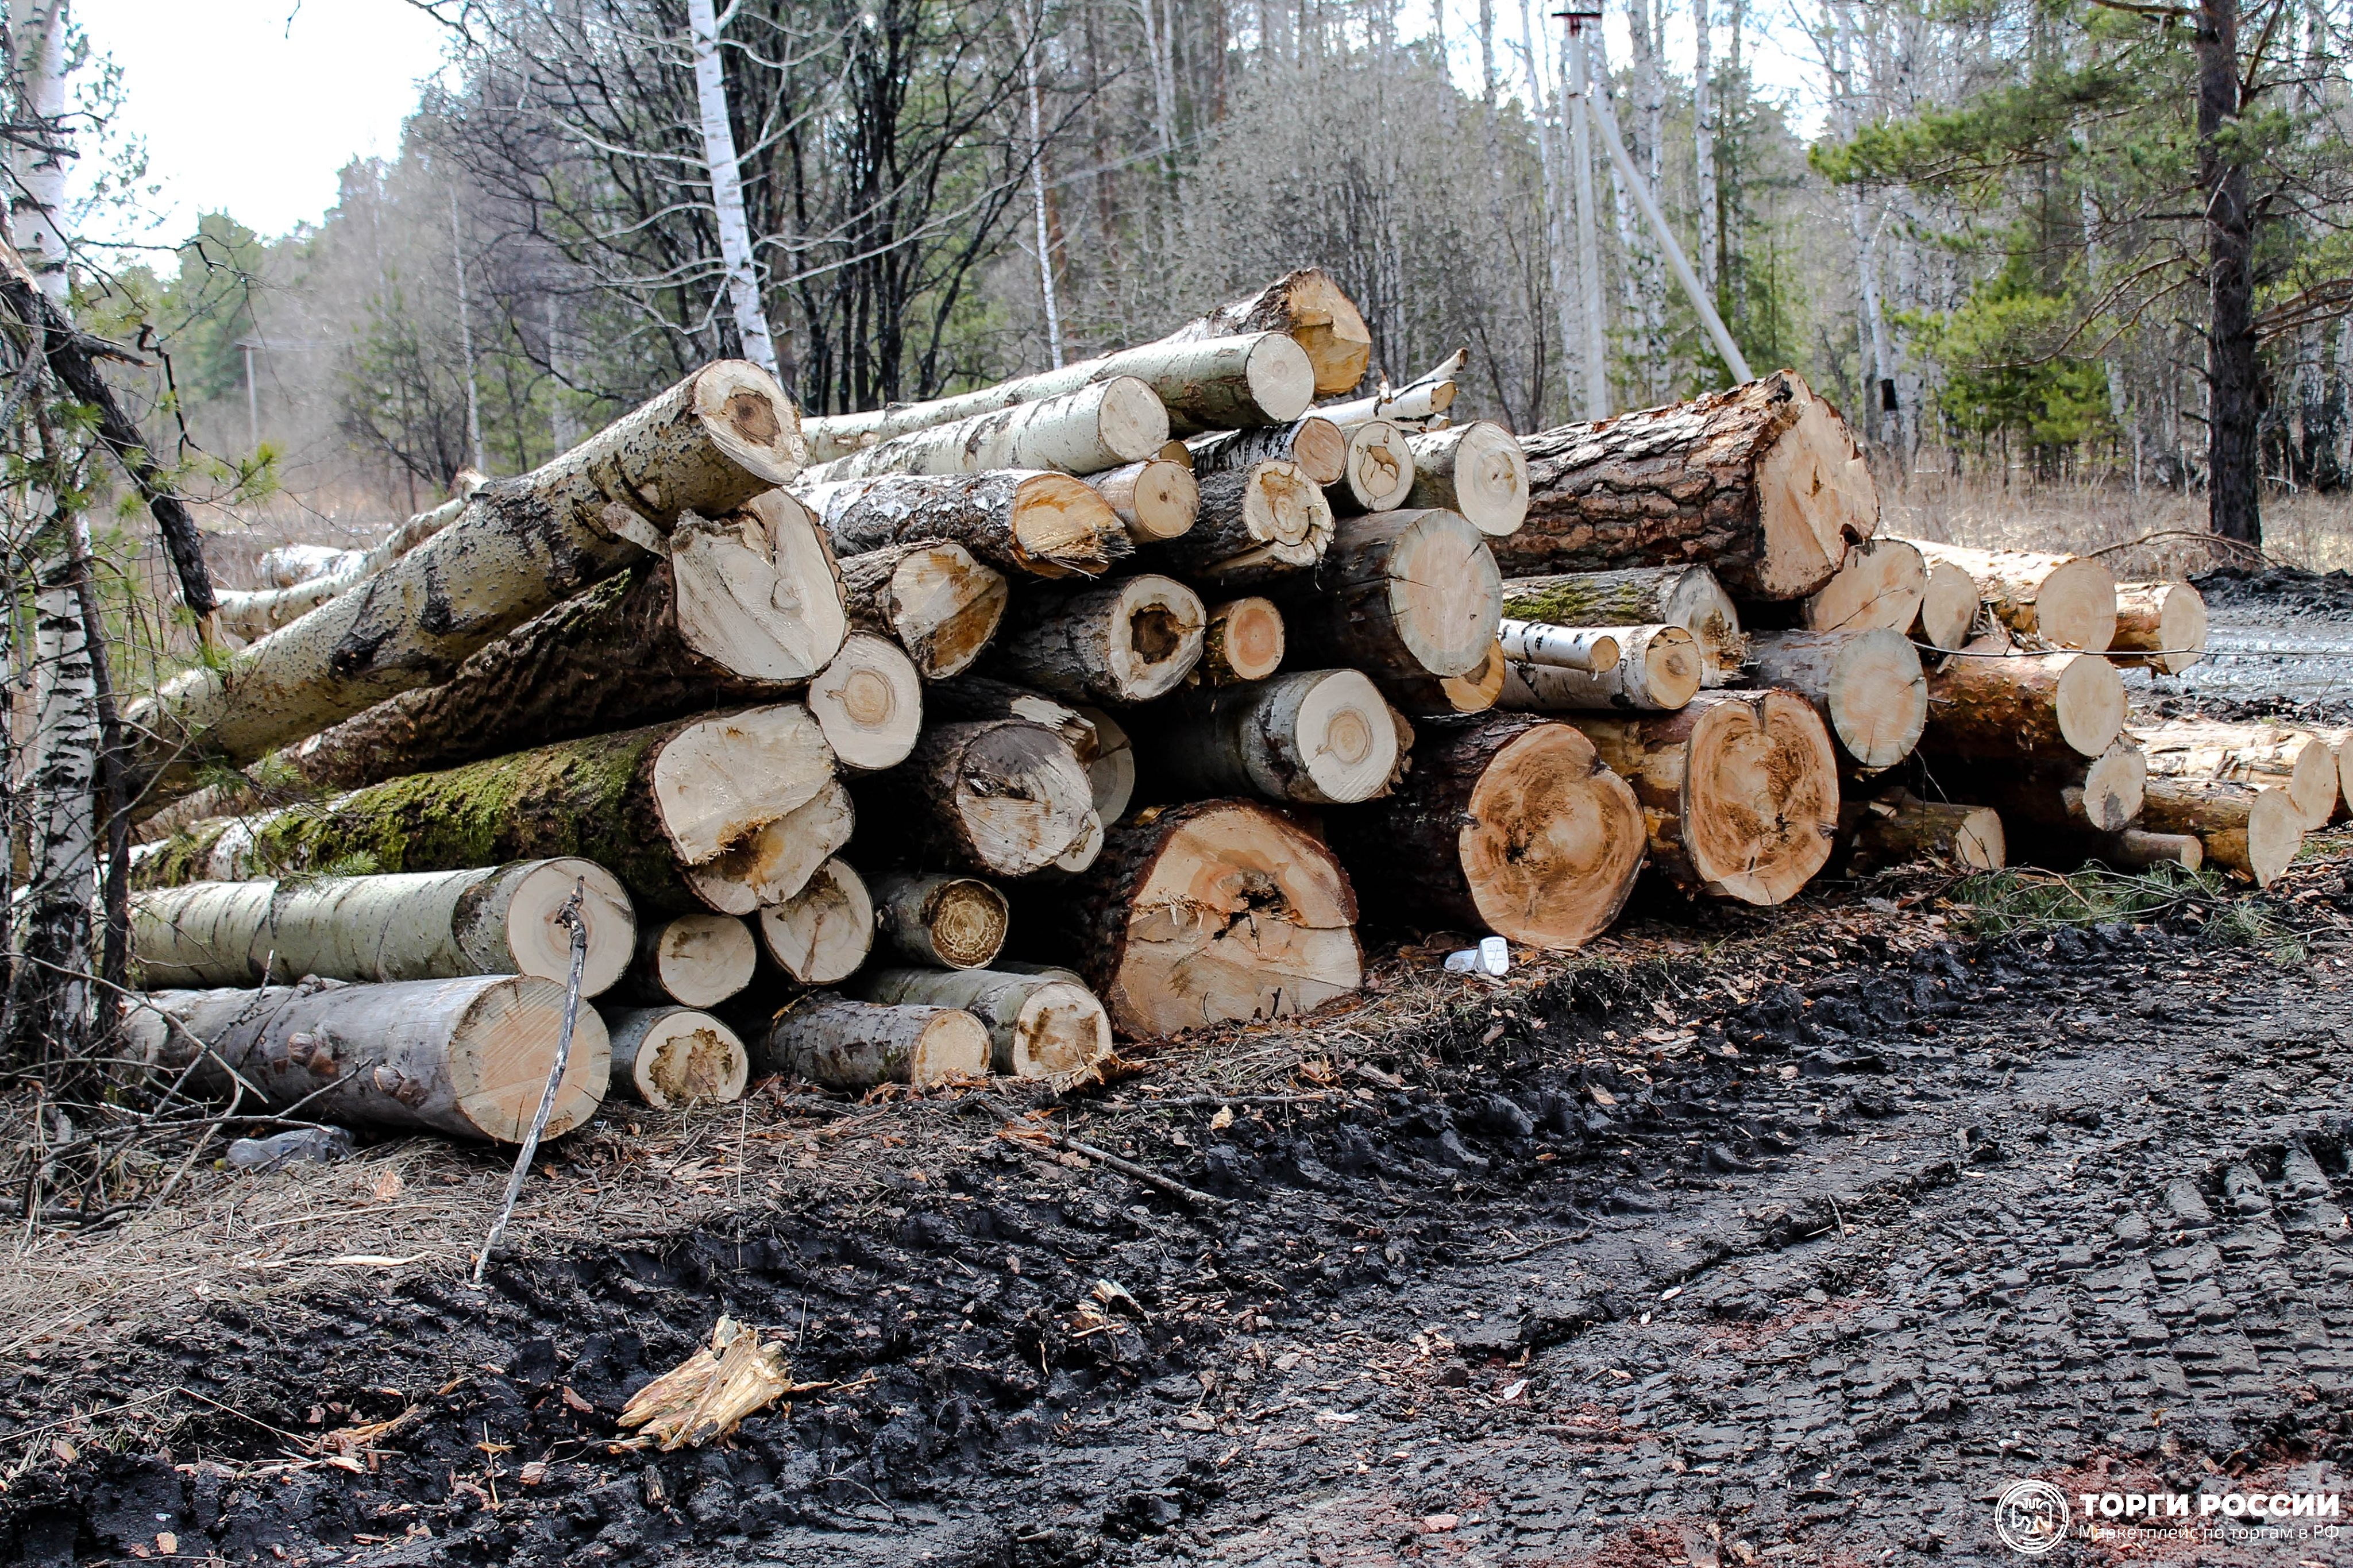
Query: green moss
[[181, 858]]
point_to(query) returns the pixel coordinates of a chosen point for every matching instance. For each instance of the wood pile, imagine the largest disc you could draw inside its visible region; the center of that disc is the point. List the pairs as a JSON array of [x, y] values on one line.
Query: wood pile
[[921, 744]]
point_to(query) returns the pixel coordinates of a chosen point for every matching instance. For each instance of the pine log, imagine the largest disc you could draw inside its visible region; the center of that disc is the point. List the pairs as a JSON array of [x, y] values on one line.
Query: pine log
[[932, 598], [1424, 397], [2065, 601], [672, 1057], [1899, 828], [1740, 790], [1088, 431], [777, 861], [1323, 737], [1948, 606], [1125, 641], [1111, 769], [1314, 446], [1157, 498], [2294, 759], [1038, 524], [2069, 798], [998, 798], [1377, 474], [708, 445], [2010, 708], [1880, 585], [252, 616], [1508, 823], [1477, 470], [1450, 696], [1763, 482], [1593, 649], [1400, 594], [1658, 670], [951, 923], [2133, 850], [468, 1057], [2166, 622], [1039, 1026], [651, 806], [1685, 597], [427, 925], [1868, 686], [1242, 641], [870, 703], [691, 961], [1317, 314], [1255, 523], [1200, 913], [2340, 743], [822, 934], [2253, 830], [856, 1046]]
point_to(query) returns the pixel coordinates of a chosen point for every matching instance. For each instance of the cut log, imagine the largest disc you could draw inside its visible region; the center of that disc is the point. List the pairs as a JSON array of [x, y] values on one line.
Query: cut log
[[1740, 790], [691, 961], [648, 804], [1868, 686], [1880, 586], [856, 1046], [2133, 850], [1319, 736], [1096, 429], [1685, 597], [1314, 445], [1040, 524], [1128, 641], [1658, 670], [821, 934], [975, 697], [2065, 601], [1316, 313], [1477, 470], [1948, 606], [1763, 481], [2340, 742], [1255, 523], [934, 599], [1424, 397], [2164, 622], [1242, 641], [1111, 770], [1377, 474], [1001, 798], [1157, 498], [468, 1057], [294, 594], [1039, 1026], [1593, 649], [951, 923], [1899, 828], [673, 1058], [2007, 707], [429, 925], [777, 861], [870, 703], [1400, 594], [1449, 696], [2296, 761], [1509, 823], [708, 445], [1082, 852], [2255, 831], [2063, 798], [1215, 910]]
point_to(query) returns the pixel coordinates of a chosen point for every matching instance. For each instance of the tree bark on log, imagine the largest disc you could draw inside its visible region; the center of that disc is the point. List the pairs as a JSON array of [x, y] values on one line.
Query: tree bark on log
[[822, 934], [1658, 670], [1377, 474], [1400, 595], [1040, 524], [672, 1057], [950, 922], [1740, 790], [1880, 586], [1317, 314], [1323, 737], [1685, 597], [2132, 850], [1948, 606], [1255, 523], [1477, 470], [1763, 482], [1157, 498], [1086, 431], [1214, 911], [1111, 769], [1450, 696], [1125, 641], [2063, 798], [1039, 1026], [978, 697], [998, 798], [1424, 397], [1868, 686], [932, 598], [2166, 622], [257, 613], [1314, 446], [2253, 830], [2294, 759], [708, 445], [468, 1057], [692, 961], [2066, 601], [1509, 823], [870, 703], [429, 925], [1592, 650], [2050, 707], [1900, 829], [1241, 641], [855, 1046]]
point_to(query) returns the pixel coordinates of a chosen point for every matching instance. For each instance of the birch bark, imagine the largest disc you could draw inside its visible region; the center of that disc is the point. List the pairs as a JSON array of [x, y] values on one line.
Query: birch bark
[[727, 189]]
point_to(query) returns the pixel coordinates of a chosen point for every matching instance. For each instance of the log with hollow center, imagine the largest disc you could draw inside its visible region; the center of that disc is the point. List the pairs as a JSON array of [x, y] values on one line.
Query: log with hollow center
[[693, 961], [1867, 685], [1242, 641], [1125, 641], [1378, 473], [2163, 622], [933, 598], [1001, 797], [1948, 606], [1685, 597], [1255, 523], [1038, 524], [870, 702], [2254, 830], [1157, 498], [1400, 594], [1322, 737], [1088, 431], [2065, 601], [1998, 707], [1657, 669], [1039, 1026], [1899, 828], [1477, 470], [672, 1057], [2294, 759], [855, 1046], [1313, 309], [822, 934], [1315, 444], [955, 922]]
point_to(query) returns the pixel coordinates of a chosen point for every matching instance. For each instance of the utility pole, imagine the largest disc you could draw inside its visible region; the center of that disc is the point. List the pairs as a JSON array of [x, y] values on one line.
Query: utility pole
[[1589, 250]]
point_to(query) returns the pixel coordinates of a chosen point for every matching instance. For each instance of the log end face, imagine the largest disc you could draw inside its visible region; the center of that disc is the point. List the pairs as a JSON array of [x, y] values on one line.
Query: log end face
[[966, 920], [2114, 786], [703, 959], [1319, 449], [2075, 606], [1280, 377], [1490, 480], [1250, 638], [1022, 797], [1062, 528], [501, 1052], [1445, 593], [1133, 424], [1379, 473], [1553, 842], [1672, 670], [2274, 835], [1166, 502], [1878, 699], [954, 1046], [2090, 703], [1948, 606], [1761, 796], [1155, 636], [822, 934], [870, 703], [1349, 740], [540, 944], [1061, 1031], [751, 420], [689, 1058]]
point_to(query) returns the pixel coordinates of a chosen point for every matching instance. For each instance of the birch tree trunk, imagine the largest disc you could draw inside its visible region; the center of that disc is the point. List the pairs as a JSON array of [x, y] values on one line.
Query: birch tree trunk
[[53, 1011], [1039, 523], [36, 205], [735, 257]]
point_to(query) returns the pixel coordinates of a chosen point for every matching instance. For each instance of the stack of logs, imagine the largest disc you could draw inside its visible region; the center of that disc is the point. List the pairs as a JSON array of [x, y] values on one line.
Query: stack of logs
[[787, 732]]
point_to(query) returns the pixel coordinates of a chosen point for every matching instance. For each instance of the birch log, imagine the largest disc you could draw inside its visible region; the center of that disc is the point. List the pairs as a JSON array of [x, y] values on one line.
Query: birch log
[[1128, 641], [2163, 622], [1423, 398], [1868, 686], [1763, 481], [1157, 498], [1948, 606], [951, 923], [1000, 798], [870, 703], [1899, 828], [1322, 737], [430, 925], [2047, 706], [2294, 759], [1315, 444], [1477, 470], [1685, 597], [256, 615], [1377, 474], [1038, 524], [672, 1057], [932, 598], [708, 445], [1509, 823], [1657, 670], [1255, 523], [2065, 600], [1039, 1026], [856, 1046], [2253, 830], [822, 934], [1450, 696], [1400, 594], [1242, 641], [1086, 431], [692, 961], [1317, 314], [1593, 649], [468, 1057]]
